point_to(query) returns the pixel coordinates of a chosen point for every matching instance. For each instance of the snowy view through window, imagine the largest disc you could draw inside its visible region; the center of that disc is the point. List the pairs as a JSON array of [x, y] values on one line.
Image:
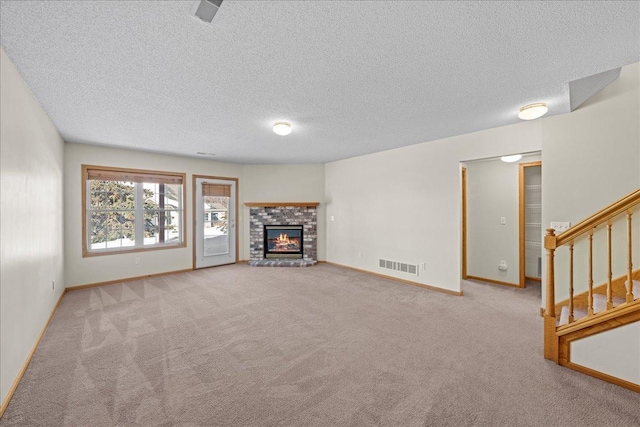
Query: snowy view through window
[[124, 214], [216, 225]]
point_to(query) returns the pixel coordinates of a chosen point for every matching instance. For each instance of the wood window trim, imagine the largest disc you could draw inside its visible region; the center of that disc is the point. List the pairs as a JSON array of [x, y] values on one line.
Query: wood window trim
[[170, 177]]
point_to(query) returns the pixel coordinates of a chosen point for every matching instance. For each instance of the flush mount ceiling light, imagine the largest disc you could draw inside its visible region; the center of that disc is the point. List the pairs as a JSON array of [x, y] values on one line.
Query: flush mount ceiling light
[[282, 128], [533, 111], [511, 159]]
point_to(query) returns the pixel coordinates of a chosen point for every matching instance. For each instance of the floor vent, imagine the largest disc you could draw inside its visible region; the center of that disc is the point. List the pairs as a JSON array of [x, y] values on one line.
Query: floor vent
[[399, 266]]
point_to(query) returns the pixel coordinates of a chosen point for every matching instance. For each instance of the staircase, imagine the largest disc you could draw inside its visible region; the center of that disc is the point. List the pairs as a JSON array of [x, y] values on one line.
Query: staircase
[[599, 305], [583, 253]]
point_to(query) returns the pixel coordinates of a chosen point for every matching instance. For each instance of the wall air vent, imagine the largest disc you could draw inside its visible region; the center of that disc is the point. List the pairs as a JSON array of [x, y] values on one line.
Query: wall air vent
[[205, 9], [399, 266]]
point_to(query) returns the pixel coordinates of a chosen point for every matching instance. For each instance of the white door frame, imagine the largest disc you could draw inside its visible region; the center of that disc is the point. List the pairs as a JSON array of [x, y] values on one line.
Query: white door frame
[[194, 189]]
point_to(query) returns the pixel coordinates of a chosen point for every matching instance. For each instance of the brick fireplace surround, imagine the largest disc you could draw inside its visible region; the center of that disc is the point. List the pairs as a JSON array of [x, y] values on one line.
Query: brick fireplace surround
[[283, 213]]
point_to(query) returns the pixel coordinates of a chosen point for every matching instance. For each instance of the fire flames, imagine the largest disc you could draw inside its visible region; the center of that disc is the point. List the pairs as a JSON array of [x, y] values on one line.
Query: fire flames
[[283, 239], [284, 243]]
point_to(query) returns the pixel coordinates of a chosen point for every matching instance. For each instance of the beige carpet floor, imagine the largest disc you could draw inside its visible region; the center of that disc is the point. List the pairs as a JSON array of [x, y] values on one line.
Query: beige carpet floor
[[317, 346]]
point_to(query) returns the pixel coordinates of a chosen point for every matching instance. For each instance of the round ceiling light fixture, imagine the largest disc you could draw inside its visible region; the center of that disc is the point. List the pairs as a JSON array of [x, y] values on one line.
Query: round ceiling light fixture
[[533, 111], [511, 159], [282, 128]]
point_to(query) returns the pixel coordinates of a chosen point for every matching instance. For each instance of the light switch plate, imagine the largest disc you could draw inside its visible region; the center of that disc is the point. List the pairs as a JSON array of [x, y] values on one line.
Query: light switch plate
[[560, 227]]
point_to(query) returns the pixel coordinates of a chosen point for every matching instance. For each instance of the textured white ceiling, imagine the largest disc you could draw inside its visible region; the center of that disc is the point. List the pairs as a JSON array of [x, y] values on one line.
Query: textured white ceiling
[[352, 77]]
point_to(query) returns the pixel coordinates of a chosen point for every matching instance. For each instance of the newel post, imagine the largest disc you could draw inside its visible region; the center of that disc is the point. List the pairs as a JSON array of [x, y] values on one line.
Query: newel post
[[550, 338]]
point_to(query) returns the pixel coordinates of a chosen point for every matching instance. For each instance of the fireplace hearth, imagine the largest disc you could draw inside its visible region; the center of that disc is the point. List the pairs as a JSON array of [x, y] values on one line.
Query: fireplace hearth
[[283, 241]]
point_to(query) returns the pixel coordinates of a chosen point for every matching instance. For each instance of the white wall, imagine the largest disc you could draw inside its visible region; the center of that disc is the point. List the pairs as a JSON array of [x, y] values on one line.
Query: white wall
[[613, 352], [404, 204], [492, 193], [591, 158], [285, 183], [82, 271], [31, 221]]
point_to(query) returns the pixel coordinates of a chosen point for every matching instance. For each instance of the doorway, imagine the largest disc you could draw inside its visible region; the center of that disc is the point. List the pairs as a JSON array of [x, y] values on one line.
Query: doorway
[[215, 216], [530, 208], [494, 224]]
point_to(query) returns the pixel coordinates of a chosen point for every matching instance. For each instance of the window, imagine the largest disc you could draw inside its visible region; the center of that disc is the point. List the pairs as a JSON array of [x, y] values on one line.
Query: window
[[129, 210]]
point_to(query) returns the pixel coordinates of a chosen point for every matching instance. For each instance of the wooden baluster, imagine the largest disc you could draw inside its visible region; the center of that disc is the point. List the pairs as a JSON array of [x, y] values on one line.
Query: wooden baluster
[[571, 318], [550, 325], [590, 298], [609, 272], [629, 259]]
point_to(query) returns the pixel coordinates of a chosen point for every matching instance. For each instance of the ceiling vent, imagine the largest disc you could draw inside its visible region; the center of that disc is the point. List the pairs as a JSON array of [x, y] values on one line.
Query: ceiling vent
[[205, 9]]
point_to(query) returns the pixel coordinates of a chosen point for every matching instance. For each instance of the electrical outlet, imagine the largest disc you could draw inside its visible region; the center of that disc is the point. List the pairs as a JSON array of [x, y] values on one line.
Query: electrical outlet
[[333, 218], [423, 266], [502, 266], [137, 261], [359, 254], [560, 227], [503, 220]]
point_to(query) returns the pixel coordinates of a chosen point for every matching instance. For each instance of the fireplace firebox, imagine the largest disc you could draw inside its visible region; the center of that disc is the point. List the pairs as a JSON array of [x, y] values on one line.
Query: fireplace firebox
[[283, 241]]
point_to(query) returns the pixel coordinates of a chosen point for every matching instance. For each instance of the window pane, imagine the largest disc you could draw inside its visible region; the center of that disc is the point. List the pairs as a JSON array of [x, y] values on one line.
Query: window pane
[[172, 195], [112, 229], [98, 229], [98, 195], [172, 222], [151, 195], [151, 199], [120, 195], [162, 227], [151, 227], [112, 195], [216, 227]]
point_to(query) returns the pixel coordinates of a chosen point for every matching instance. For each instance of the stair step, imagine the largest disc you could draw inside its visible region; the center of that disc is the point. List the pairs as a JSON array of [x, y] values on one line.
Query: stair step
[[599, 304]]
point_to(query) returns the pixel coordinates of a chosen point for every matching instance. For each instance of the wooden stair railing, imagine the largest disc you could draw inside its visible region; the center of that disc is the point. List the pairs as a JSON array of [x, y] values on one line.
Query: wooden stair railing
[[552, 331]]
